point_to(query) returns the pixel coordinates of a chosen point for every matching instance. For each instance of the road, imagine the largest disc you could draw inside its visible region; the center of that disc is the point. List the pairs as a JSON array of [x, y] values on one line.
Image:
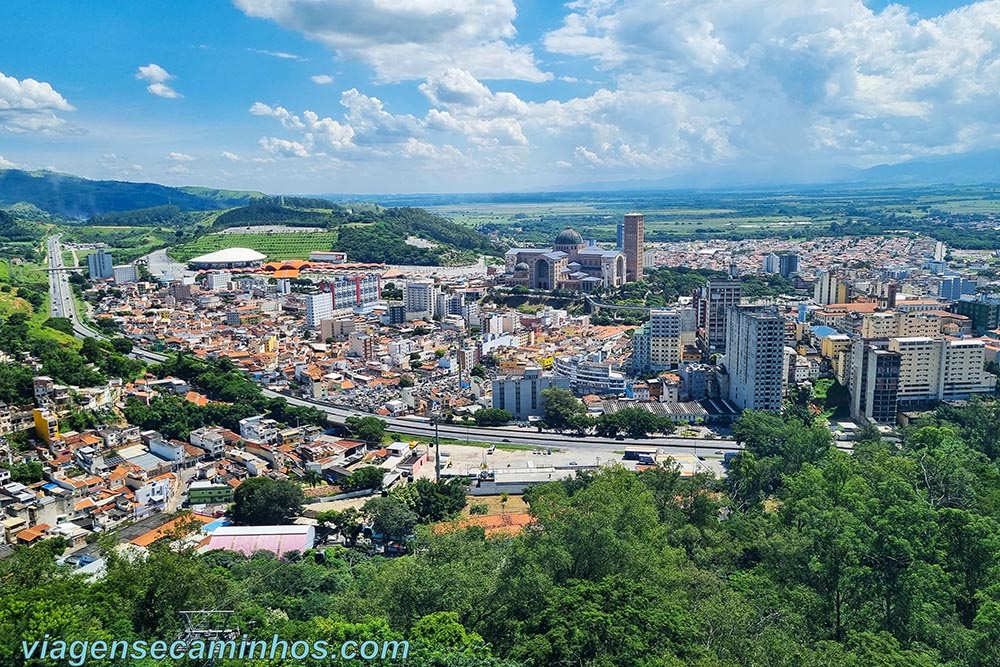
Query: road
[[62, 297]]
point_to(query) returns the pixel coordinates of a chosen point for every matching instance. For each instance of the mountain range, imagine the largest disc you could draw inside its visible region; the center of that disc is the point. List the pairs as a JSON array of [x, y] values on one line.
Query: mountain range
[[75, 197]]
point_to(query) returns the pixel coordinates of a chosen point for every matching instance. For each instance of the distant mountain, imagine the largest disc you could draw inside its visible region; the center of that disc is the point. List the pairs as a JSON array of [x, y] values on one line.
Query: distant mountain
[[965, 168], [75, 197]]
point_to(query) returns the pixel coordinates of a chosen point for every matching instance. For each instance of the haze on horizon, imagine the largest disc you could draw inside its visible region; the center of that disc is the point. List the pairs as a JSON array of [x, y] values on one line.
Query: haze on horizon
[[376, 96]]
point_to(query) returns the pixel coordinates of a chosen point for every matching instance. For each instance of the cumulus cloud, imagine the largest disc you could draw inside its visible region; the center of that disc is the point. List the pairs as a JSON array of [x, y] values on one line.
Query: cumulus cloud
[[283, 147], [174, 156], [411, 39], [178, 169], [232, 157], [7, 164], [800, 79], [157, 77], [30, 106], [322, 79], [318, 134]]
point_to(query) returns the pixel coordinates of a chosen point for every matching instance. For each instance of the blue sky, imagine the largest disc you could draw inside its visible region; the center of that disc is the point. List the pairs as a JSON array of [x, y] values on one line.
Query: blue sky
[[316, 96]]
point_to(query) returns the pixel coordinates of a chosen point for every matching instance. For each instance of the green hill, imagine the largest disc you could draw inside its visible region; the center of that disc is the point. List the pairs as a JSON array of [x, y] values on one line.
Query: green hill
[[75, 197]]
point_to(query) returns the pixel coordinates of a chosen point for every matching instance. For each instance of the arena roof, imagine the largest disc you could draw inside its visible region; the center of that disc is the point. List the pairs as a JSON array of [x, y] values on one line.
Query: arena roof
[[229, 255]]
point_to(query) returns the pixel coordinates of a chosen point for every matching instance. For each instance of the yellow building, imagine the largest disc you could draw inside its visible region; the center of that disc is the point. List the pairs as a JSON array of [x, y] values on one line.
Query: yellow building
[[837, 348], [46, 425]]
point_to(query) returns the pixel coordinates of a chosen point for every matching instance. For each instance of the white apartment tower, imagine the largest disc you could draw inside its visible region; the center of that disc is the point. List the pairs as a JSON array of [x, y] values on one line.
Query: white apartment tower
[[755, 357]]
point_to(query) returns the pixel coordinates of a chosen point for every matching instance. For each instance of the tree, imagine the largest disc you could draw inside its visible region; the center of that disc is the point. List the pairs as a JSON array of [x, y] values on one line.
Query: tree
[[478, 371], [405, 381], [558, 405], [389, 518], [369, 429], [262, 501], [492, 417], [312, 478], [368, 477], [433, 501], [26, 472]]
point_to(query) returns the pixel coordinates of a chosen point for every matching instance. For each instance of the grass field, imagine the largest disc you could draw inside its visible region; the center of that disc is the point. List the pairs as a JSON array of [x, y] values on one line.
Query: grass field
[[515, 505], [278, 246]]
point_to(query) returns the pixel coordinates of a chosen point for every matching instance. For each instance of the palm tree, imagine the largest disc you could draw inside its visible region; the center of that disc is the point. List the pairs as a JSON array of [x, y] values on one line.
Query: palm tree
[[504, 497], [312, 478]]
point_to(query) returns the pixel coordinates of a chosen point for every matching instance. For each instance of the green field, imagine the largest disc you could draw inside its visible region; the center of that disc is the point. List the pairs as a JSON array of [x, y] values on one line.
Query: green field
[[277, 246]]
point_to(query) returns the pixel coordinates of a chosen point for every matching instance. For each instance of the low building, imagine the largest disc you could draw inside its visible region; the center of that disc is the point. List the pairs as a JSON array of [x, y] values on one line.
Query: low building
[[203, 491], [229, 258], [248, 540]]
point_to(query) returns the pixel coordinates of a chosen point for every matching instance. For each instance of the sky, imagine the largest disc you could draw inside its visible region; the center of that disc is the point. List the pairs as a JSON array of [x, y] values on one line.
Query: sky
[[396, 96]]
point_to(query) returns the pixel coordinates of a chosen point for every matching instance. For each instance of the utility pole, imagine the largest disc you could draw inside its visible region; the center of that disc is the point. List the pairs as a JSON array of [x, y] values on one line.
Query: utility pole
[[437, 450], [208, 625]]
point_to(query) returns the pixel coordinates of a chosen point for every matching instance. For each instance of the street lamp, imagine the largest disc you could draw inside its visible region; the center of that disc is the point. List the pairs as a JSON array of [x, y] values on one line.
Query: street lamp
[[435, 418]]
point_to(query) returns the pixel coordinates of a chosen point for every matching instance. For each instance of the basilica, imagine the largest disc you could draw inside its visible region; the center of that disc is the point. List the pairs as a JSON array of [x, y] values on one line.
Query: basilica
[[569, 264]]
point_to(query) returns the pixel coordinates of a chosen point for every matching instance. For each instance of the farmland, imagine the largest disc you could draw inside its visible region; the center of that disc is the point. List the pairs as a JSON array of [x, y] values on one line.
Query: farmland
[[276, 245]]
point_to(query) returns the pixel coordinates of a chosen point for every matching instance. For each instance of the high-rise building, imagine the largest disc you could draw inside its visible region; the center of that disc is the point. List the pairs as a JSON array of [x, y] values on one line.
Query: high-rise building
[[420, 297], [937, 369], [874, 381], [983, 310], [218, 280], [788, 264], [125, 273], [658, 344], [521, 395], [772, 263], [755, 357], [633, 243], [952, 288], [100, 264], [829, 289], [397, 313], [620, 235], [712, 303], [319, 307]]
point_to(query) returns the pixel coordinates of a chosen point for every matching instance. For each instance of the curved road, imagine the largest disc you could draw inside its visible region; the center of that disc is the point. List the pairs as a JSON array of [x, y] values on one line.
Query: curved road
[[62, 294]]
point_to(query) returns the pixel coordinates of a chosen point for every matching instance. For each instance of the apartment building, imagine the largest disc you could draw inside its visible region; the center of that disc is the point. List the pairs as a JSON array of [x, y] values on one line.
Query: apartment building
[[712, 304], [658, 344], [521, 395], [755, 357]]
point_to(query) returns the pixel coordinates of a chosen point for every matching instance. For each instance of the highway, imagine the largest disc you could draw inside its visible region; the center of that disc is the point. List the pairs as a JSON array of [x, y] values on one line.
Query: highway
[[61, 292], [62, 298]]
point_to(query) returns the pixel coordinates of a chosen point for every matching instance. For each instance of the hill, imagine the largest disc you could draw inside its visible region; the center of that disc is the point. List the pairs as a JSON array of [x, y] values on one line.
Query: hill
[[75, 197], [289, 227]]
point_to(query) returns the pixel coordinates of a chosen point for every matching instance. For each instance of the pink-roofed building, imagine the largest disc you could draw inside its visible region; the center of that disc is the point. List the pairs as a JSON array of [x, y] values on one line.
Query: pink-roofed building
[[276, 539]]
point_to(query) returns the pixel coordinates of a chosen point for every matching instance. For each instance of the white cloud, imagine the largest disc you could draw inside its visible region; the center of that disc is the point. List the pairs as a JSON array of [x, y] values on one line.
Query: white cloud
[[157, 77], [322, 132], [411, 39], [283, 147], [174, 156], [232, 157], [113, 166], [7, 164], [793, 81], [178, 169], [322, 79], [30, 106], [283, 55]]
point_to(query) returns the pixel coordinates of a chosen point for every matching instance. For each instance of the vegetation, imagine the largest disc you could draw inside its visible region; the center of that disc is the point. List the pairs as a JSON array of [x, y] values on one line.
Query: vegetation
[[276, 245], [369, 429], [559, 406], [887, 558], [261, 501], [362, 479], [74, 197], [493, 417]]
